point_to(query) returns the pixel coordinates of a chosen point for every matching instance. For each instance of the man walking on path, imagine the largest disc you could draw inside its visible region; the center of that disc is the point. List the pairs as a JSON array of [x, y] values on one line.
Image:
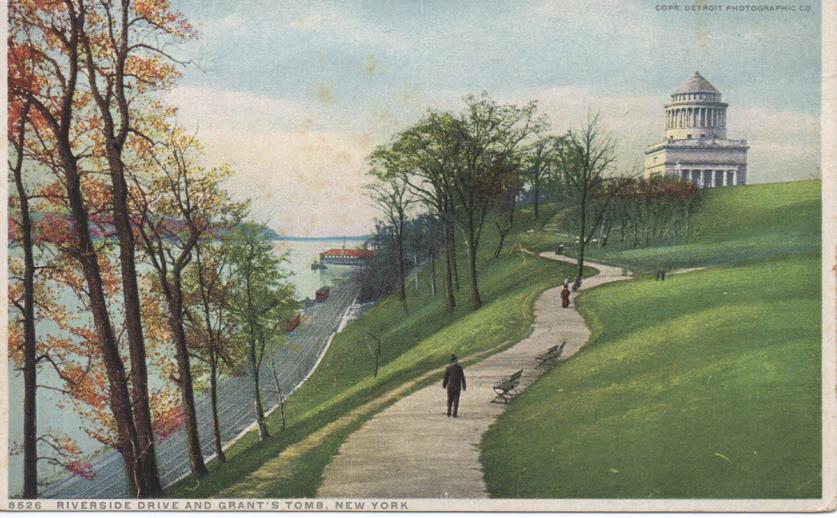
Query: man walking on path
[[454, 381]]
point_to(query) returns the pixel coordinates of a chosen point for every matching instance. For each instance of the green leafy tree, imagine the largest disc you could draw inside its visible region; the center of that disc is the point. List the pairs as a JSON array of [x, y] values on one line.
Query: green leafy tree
[[261, 300], [489, 138]]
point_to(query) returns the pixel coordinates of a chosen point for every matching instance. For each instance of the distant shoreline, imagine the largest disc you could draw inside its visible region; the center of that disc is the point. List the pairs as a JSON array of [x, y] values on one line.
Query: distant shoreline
[[329, 238]]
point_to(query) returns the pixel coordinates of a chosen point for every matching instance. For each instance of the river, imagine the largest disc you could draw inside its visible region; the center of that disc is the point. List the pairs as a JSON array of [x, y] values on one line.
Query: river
[[292, 367]]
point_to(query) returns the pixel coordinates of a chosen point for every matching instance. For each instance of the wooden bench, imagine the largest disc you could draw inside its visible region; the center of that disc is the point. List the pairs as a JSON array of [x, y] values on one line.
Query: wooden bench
[[506, 388], [551, 357]]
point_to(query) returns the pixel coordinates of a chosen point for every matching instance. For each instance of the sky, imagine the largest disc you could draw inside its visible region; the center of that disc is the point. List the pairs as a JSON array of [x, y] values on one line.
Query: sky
[[295, 95]]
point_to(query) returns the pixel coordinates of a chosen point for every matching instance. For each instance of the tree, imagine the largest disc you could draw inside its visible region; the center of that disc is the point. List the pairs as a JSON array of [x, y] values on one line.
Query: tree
[[175, 209], [261, 301], [425, 236], [17, 135], [123, 55], [538, 167], [390, 194], [489, 136], [45, 55], [647, 211], [424, 156], [207, 291], [585, 158]]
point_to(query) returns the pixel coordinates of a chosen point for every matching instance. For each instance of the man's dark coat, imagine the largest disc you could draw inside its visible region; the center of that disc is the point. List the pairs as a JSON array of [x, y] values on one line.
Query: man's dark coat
[[454, 378]]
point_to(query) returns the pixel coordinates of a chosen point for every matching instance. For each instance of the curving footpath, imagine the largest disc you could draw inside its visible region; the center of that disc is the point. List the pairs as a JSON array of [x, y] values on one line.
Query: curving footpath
[[412, 449]]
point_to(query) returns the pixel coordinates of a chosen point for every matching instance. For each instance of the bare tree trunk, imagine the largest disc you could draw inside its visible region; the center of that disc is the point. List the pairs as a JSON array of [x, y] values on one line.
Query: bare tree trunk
[[450, 300], [279, 394], [133, 325], [504, 230], [402, 289], [476, 302], [30, 381], [213, 398], [537, 192], [263, 433], [254, 367], [184, 372], [452, 247], [581, 235], [433, 272]]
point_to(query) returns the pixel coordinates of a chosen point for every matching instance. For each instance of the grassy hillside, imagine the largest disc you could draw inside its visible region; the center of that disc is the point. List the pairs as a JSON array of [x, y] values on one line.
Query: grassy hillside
[[737, 225], [412, 345], [706, 385]]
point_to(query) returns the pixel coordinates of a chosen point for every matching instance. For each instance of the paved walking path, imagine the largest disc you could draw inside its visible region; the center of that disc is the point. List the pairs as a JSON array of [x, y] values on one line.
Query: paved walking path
[[412, 449]]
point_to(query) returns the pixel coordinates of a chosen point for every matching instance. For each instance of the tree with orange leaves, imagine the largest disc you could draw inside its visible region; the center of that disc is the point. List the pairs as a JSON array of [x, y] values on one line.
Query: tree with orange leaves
[[176, 207], [123, 62], [85, 67]]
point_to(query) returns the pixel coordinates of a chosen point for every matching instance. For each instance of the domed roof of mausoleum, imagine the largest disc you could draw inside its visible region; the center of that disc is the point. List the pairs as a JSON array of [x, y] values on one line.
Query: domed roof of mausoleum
[[696, 84]]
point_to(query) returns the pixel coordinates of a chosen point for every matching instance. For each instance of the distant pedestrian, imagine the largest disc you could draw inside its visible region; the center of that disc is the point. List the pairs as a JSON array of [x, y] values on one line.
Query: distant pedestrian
[[454, 381], [565, 294], [577, 284]]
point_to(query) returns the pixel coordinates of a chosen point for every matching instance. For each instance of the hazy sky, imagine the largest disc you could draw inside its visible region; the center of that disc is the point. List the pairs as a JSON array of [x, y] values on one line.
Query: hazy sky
[[296, 94]]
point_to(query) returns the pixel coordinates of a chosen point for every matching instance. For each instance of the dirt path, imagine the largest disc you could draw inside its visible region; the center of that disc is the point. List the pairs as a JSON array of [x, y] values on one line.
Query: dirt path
[[412, 449]]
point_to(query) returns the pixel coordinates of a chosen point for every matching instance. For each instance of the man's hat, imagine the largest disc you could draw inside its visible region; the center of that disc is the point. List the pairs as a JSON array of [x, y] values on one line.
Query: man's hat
[[453, 357]]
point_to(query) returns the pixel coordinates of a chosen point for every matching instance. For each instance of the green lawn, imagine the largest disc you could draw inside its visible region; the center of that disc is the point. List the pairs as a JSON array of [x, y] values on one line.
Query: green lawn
[[737, 225], [412, 345], [706, 385]]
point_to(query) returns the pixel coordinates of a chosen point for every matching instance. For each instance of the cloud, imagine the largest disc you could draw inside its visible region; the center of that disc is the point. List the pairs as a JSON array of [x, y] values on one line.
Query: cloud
[[338, 22], [204, 106], [303, 183], [219, 27], [302, 179]]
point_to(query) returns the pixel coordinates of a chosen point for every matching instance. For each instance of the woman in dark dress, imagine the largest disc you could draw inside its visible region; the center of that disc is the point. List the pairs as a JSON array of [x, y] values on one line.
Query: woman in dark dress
[[565, 295]]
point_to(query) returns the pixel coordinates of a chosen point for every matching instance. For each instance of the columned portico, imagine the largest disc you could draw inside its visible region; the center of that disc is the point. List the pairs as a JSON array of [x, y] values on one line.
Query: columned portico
[[696, 148]]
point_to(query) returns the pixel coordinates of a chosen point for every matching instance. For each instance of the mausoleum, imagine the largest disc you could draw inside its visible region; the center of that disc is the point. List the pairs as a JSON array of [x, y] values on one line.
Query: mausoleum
[[696, 148]]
